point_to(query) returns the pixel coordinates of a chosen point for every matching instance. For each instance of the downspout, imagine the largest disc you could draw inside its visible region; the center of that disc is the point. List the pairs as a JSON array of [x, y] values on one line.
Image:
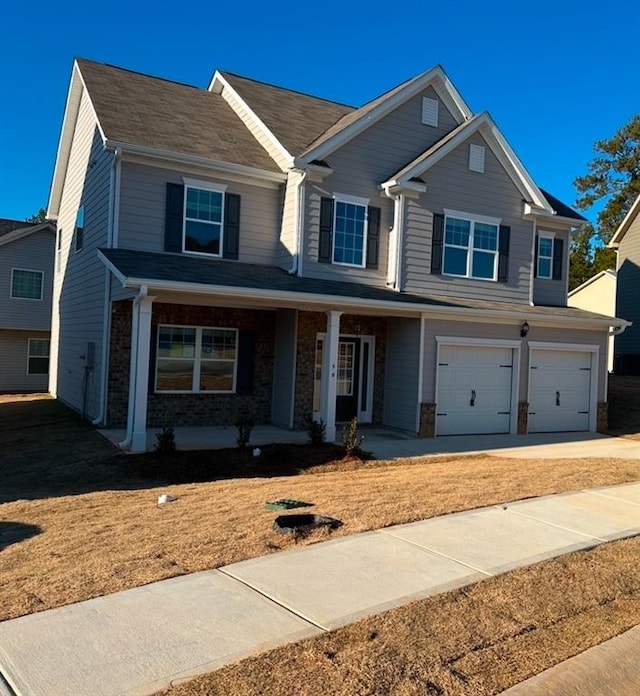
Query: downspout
[[112, 234], [298, 212], [398, 228], [135, 319], [532, 275]]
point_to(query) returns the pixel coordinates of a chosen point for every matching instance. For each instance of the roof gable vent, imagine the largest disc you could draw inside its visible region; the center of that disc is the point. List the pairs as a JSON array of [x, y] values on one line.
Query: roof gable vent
[[476, 158], [429, 111]]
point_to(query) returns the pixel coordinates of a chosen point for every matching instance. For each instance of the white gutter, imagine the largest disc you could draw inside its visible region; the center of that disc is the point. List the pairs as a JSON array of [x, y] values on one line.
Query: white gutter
[[618, 330], [298, 212], [135, 318], [398, 228]]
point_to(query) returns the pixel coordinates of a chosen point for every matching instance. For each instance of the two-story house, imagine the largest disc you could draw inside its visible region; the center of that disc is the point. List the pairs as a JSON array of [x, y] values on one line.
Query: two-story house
[[248, 247], [26, 282], [626, 241]]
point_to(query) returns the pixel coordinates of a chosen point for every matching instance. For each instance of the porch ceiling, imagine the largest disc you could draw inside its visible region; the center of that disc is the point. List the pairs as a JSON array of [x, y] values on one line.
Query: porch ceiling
[[274, 287]]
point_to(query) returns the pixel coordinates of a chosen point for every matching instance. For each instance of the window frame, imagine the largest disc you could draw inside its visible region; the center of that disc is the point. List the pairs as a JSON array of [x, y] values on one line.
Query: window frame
[[552, 237], [27, 270], [58, 249], [30, 356], [472, 219], [200, 185], [362, 203], [197, 360], [78, 244]]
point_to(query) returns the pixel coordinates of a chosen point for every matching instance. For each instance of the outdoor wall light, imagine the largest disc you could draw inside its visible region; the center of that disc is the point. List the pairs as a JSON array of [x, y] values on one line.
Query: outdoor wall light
[[524, 330]]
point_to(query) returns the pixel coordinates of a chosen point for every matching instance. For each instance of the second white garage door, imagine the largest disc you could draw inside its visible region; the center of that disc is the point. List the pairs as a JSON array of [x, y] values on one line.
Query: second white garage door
[[474, 390], [559, 390]]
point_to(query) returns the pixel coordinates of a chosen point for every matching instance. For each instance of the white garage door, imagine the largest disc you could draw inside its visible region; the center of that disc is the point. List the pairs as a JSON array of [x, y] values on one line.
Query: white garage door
[[559, 390], [474, 390]]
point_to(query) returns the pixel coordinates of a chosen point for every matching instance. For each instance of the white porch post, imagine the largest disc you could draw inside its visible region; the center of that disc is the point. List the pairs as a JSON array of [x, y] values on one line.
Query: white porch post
[[330, 374], [138, 400]]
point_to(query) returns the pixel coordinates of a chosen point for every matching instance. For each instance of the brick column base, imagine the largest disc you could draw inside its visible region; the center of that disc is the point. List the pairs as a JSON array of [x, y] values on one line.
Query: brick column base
[[427, 420], [523, 418], [603, 417]]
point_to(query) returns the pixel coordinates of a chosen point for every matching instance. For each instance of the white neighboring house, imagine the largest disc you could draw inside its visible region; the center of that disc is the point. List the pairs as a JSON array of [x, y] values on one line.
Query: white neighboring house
[[26, 283], [598, 294]]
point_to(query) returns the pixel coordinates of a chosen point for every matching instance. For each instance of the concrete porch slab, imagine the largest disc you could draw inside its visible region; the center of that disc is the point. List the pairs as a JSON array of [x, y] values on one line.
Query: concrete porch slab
[[337, 582], [493, 540], [596, 515], [138, 641]]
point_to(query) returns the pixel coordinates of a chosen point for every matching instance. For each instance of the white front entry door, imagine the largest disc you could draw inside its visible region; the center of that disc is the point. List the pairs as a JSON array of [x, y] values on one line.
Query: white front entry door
[[559, 390], [474, 390]]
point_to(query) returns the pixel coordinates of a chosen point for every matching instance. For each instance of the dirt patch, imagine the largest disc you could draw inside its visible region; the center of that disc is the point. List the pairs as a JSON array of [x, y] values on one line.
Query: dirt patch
[[624, 406], [475, 641]]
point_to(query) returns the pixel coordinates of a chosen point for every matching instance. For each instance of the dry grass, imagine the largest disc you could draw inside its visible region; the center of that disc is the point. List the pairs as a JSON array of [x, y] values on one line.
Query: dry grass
[[624, 406], [476, 641], [67, 549]]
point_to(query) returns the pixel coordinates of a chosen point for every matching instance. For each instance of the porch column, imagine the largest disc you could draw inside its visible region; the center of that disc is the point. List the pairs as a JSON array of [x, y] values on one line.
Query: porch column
[[140, 345], [330, 374]]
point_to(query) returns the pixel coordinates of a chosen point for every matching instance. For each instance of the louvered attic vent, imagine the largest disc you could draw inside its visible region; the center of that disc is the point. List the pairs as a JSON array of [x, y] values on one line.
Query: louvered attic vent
[[476, 158], [429, 111]]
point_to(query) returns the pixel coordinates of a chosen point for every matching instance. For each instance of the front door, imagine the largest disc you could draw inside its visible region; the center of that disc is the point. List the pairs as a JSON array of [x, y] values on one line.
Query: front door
[[348, 387]]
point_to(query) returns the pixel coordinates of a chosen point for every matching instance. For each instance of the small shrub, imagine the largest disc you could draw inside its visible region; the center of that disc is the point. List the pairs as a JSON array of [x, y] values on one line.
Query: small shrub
[[351, 440], [316, 430], [166, 441], [244, 422]]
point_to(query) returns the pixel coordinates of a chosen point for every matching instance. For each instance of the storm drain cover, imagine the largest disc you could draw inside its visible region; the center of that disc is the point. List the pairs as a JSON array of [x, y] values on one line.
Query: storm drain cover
[[301, 524], [286, 504]]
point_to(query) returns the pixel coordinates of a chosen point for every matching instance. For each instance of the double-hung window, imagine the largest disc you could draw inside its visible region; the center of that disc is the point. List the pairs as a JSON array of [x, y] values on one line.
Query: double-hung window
[[350, 231], [203, 218], [38, 356], [470, 246], [545, 257], [196, 359], [26, 284]]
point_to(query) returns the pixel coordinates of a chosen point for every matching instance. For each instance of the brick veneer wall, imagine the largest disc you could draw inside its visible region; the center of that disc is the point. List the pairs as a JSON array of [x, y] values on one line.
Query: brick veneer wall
[[192, 409], [312, 323]]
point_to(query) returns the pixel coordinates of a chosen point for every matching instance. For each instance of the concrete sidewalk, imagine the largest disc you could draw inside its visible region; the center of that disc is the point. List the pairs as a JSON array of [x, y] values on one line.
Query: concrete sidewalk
[[139, 641]]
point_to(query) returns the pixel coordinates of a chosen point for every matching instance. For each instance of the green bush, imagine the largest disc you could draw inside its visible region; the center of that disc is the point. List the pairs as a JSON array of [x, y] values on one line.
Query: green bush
[[244, 422], [166, 441], [351, 440], [316, 430]]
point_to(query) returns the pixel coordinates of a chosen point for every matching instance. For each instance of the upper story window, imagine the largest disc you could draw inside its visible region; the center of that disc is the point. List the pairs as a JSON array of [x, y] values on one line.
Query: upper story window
[[203, 217], [349, 232], [470, 246], [549, 256], [26, 284], [79, 230], [38, 356], [196, 359]]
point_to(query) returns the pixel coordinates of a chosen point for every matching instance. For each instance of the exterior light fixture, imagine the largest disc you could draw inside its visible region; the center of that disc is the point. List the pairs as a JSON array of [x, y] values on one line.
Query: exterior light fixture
[[524, 330]]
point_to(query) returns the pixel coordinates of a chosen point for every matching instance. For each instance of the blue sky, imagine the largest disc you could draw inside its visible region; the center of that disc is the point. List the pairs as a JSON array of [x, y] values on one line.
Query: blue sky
[[555, 76]]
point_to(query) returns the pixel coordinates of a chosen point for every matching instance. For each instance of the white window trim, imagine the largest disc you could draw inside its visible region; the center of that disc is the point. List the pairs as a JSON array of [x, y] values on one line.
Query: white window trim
[[28, 299], [545, 235], [197, 359], [58, 249], [472, 219], [353, 200], [76, 248], [205, 186], [29, 356]]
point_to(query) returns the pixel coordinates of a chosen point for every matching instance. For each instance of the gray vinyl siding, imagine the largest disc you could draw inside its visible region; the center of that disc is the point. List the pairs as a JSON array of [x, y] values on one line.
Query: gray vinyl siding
[[401, 374], [553, 292], [359, 167], [284, 367], [628, 290], [142, 212], [79, 286], [33, 253], [14, 346], [451, 185], [510, 332]]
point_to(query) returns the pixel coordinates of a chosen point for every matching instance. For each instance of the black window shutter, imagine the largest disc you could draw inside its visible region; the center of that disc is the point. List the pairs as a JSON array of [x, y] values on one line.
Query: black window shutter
[[535, 258], [231, 226], [373, 236], [325, 241], [153, 349], [437, 239], [173, 221], [503, 253], [558, 246], [246, 362]]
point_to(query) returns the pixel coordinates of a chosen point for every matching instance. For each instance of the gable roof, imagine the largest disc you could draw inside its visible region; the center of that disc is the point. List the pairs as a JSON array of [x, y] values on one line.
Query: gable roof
[[10, 230], [496, 141], [625, 224], [561, 209], [609, 272]]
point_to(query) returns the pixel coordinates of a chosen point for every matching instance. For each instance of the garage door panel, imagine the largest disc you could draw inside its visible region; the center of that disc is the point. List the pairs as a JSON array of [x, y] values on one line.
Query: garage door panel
[[474, 390], [559, 390]]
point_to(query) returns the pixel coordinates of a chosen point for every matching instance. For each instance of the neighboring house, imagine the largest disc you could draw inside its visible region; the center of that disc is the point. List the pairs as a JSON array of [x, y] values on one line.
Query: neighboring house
[[26, 282], [598, 294], [626, 241], [250, 248]]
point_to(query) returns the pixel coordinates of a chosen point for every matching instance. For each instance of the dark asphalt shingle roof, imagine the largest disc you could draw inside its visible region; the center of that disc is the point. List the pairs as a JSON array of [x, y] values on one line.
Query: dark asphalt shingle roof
[[7, 225], [178, 268], [142, 110], [561, 208]]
